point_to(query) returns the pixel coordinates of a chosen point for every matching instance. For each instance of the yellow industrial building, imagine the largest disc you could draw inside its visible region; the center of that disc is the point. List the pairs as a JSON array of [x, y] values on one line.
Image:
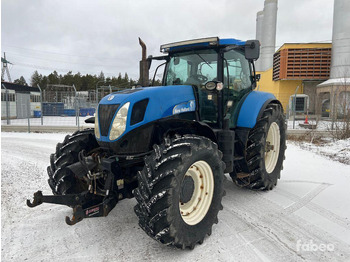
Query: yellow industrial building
[[297, 65]]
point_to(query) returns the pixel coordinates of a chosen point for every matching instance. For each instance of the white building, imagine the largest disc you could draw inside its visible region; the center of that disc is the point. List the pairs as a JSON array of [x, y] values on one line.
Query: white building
[[22, 100]]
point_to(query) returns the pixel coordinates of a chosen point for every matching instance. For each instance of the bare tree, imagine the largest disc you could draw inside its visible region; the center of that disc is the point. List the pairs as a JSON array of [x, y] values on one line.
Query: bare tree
[[341, 114]]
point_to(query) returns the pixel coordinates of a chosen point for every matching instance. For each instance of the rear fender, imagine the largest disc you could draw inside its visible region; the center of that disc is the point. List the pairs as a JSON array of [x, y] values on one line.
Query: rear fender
[[253, 107]]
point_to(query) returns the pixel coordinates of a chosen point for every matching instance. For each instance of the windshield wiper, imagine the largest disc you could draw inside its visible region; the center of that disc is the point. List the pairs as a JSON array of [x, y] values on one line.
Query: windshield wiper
[[204, 60]]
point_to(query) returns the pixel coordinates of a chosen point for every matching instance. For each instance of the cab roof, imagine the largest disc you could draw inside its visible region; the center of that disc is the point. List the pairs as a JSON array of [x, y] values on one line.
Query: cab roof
[[202, 42]]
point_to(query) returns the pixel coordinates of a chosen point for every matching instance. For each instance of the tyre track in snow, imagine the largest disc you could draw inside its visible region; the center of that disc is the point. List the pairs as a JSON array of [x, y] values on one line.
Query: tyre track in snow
[[317, 209], [257, 228], [279, 227], [301, 202]]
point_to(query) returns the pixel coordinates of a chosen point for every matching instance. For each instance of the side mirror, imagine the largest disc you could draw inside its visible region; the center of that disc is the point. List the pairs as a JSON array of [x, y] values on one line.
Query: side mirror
[[252, 49]]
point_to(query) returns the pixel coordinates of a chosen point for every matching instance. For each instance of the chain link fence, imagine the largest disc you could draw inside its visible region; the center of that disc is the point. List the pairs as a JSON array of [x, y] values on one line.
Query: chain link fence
[[326, 111], [61, 107]]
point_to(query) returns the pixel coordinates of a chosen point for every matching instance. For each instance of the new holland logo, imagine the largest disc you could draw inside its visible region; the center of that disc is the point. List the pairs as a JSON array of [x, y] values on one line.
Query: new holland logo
[[110, 97], [184, 107]]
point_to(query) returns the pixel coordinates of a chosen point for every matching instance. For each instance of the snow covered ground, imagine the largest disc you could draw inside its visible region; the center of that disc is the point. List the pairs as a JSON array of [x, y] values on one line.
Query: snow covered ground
[[338, 150], [305, 218]]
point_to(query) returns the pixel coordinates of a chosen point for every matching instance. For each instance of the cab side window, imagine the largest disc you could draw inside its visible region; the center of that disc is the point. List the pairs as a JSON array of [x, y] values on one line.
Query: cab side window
[[236, 82], [237, 72], [178, 71]]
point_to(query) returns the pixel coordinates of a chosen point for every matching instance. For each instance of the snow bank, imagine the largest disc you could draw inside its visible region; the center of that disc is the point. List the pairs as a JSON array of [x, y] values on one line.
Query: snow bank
[[338, 150]]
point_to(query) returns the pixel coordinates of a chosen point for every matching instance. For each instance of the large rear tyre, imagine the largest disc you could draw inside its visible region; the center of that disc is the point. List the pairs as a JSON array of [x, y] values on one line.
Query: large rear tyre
[[265, 150], [61, 180], [180, 191]]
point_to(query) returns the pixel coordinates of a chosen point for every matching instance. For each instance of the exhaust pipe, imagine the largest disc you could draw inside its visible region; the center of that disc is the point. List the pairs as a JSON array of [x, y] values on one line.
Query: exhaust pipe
[[144, 65]]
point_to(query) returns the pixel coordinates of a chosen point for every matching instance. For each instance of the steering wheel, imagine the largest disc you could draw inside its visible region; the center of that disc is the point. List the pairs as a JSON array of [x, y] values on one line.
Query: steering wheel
[[199, 78]]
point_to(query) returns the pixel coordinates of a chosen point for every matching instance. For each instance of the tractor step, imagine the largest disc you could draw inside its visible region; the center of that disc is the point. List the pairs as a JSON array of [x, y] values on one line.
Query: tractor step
[[85, 204], [243, 175]]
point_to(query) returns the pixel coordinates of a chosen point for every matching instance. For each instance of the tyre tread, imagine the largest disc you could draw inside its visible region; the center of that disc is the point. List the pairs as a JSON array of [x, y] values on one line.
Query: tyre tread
[[153, 194], [61, 179]]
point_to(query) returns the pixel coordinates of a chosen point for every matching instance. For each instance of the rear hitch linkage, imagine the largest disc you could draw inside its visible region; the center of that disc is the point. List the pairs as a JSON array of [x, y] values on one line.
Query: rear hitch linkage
[[85, 204]]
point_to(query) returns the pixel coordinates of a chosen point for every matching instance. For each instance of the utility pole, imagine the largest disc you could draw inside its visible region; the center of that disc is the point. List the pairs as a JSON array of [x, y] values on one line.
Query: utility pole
[[5, 68]]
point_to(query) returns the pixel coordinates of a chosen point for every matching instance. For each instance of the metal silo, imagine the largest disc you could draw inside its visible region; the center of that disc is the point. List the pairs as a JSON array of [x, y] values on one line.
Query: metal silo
[[259, 33], [268, 39], [340, 65]]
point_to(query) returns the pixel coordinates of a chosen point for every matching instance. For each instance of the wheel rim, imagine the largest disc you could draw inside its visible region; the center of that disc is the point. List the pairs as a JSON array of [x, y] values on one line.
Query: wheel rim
[[272, 147], [193, 211]]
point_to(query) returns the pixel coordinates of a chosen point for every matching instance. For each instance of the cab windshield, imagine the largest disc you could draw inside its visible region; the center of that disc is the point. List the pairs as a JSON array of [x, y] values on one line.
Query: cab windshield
[[192, 68], [200, 66]]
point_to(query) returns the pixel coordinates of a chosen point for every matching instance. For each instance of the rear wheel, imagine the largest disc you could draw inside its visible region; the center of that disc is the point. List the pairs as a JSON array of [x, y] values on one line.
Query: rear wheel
[[265, 150], [61, 180], [180, 191]]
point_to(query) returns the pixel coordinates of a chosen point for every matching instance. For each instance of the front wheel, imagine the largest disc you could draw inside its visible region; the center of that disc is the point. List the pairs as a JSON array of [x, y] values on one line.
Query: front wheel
[[180, 191], [61, 180]]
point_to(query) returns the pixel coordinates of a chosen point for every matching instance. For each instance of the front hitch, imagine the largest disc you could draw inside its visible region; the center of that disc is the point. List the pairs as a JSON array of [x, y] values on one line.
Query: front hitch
[[85, 204], [68, 200]]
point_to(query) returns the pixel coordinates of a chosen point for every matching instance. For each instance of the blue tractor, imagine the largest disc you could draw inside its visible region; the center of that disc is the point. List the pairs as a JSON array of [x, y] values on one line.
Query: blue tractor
[[169, 146]]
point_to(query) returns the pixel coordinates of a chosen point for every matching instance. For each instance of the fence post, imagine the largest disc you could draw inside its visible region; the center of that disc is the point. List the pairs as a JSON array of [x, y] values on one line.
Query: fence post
[[295, 105], [29, 115], [28, 122], [7, 105], [41, 105], [76, 108]]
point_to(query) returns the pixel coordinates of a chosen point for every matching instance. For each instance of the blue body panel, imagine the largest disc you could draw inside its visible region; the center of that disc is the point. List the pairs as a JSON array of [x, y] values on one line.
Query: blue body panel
[[251, 107], [231, 41], [164, 101], [222, 42]]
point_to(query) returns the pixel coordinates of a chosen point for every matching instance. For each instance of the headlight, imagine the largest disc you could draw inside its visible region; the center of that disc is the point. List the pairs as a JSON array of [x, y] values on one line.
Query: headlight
[[119, 123], [97, 128]]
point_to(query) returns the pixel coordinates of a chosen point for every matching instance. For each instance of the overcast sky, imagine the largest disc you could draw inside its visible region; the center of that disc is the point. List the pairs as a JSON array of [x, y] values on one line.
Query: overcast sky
[[89, 36]]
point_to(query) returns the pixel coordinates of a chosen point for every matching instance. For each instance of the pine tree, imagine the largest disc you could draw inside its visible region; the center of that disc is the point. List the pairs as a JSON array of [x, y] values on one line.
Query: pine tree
[[119, 79], [35, 79], [53, 78], [21, 81], [126, 77], [81, 82], [101, 77]]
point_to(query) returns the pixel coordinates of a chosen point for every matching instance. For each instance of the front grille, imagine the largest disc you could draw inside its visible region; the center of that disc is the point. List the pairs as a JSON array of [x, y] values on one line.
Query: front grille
[[105, 116]]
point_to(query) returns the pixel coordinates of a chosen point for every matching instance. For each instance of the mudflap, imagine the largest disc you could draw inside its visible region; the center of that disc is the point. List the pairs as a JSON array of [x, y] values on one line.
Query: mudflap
[[85, 204]]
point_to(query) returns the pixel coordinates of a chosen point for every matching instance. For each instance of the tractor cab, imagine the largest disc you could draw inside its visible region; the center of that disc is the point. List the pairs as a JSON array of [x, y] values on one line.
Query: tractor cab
[[221, 72]]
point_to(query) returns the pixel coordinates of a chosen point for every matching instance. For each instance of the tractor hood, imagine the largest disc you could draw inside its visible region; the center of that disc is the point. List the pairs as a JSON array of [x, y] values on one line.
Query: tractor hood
[[144, 105]]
